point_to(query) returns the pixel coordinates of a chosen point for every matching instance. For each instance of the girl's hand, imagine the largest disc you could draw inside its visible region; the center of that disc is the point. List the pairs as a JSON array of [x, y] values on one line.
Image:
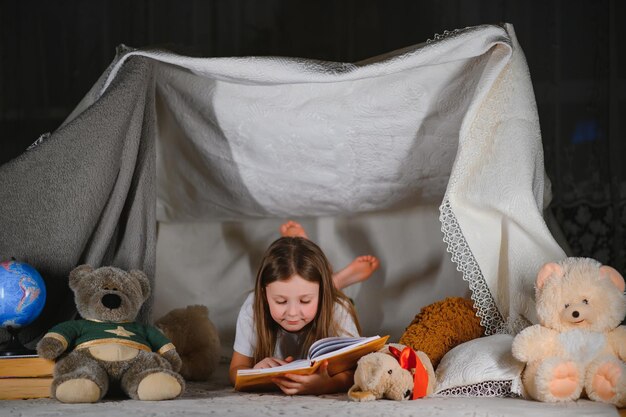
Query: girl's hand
[[272, 362], [318, 383]]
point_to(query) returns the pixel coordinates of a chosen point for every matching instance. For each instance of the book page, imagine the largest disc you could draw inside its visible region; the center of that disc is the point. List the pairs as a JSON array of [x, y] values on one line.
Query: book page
[[27, 355], [299, 364], [330, 344]]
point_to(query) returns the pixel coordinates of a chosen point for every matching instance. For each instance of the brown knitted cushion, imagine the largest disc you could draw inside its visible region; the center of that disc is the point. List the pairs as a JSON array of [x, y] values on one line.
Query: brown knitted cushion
[[441, 326]]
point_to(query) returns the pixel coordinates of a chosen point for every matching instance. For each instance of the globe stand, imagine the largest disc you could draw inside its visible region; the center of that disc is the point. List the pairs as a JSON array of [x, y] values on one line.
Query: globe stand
[[15, 347]]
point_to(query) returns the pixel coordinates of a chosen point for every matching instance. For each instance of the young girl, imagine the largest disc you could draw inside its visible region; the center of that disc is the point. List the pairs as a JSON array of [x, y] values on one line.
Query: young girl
[[294, 304]]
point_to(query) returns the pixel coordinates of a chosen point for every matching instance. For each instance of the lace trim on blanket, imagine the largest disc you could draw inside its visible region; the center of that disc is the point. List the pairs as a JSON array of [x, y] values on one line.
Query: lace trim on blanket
[[448, 34], [482, 389], [41, 139], [462, 256]]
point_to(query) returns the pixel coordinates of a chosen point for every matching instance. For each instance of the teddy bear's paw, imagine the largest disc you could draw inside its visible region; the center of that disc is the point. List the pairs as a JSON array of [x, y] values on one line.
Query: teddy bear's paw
[[565, 382], [159, 386], [79, 390], [50, 347], [355, 393], [361, 396], [604, 384]]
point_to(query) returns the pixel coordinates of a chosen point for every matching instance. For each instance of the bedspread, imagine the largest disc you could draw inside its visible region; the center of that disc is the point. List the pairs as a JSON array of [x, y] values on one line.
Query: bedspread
[[219, 399]]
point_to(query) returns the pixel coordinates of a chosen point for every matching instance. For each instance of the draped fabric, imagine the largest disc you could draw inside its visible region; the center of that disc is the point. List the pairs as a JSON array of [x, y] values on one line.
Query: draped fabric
[[86, 194], [164, 137]]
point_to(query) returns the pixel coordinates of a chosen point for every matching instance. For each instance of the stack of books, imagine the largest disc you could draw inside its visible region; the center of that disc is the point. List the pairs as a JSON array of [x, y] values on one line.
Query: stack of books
[[27, 376]]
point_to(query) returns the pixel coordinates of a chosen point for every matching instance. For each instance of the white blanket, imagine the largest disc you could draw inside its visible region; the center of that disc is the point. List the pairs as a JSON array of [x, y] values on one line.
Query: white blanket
[[450, 122], [218, 398]]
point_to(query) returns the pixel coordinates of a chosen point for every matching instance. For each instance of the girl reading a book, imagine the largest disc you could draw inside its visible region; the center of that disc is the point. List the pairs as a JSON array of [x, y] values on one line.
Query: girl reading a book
[[295, 302]]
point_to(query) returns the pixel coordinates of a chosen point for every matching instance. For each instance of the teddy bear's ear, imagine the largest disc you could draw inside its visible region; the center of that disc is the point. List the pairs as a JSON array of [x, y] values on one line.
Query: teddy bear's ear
[[78, 273], [143, 281], [615, 277], [548, 270]]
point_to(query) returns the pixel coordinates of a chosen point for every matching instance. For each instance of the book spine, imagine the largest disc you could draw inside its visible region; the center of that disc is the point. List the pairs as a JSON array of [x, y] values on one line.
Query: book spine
[[25, 367], [23, 388]]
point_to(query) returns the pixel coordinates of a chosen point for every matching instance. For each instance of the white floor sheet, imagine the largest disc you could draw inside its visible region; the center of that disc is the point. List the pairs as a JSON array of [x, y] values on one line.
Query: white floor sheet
[[217, 398]]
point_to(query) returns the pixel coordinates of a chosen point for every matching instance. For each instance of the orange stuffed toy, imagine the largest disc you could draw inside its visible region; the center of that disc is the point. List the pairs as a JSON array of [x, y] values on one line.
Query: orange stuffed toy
[[441, 326]]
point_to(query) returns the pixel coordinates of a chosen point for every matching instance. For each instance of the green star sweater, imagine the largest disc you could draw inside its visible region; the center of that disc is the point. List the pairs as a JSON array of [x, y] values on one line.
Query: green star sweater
[[80, 334]]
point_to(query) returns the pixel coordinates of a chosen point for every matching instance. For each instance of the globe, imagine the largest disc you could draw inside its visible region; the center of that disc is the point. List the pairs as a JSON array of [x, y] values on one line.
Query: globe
[[22, 294]]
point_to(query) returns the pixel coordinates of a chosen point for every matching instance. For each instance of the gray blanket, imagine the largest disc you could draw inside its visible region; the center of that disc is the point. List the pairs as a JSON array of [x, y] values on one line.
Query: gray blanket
[[85, 195]]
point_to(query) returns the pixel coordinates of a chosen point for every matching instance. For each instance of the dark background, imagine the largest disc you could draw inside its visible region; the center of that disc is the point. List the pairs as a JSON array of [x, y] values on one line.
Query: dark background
[[52, 52]]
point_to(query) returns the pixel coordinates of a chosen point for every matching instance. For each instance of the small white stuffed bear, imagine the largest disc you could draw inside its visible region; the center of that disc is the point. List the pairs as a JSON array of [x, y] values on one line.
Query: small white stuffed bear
[[579, 343], [381, 375]]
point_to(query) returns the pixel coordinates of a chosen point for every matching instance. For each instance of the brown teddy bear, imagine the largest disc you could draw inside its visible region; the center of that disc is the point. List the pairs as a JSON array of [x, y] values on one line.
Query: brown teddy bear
[[196, 340], [107, 345], [579, 347], [441, 326]]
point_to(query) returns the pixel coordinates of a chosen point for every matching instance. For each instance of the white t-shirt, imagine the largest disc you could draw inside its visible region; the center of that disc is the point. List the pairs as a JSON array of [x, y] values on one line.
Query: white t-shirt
[[287, 344]]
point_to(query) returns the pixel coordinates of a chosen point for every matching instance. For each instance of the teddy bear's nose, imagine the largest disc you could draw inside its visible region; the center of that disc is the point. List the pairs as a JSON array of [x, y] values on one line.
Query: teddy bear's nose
[[111, 301], [575, 314]]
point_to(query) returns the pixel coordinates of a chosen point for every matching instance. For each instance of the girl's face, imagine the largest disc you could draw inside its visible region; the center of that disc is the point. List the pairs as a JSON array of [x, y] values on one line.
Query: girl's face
[[293, 302]]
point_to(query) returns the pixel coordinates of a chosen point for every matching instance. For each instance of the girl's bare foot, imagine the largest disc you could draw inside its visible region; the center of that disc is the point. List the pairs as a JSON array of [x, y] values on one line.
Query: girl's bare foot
[[357, 271], [292, 229]]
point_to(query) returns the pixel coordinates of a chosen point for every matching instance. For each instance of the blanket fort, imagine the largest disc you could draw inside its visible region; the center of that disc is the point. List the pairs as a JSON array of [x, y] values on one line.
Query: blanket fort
[[169, 138]]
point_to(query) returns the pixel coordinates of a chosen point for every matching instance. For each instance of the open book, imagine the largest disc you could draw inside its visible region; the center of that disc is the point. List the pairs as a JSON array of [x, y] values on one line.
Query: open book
[[342, 354]]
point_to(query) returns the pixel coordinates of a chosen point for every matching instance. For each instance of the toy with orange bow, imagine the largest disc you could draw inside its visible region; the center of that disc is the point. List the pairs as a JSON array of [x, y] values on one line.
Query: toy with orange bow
[[395, 372]]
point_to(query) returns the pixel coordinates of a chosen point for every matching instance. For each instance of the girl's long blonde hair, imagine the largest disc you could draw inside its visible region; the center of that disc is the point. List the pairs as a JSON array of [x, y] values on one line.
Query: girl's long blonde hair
[[285, 258]]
